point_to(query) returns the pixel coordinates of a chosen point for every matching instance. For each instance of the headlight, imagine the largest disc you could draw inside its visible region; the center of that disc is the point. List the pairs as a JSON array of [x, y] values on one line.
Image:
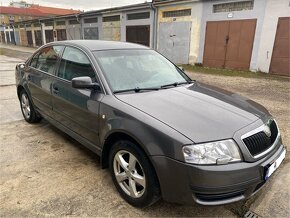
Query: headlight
[[220, 152]]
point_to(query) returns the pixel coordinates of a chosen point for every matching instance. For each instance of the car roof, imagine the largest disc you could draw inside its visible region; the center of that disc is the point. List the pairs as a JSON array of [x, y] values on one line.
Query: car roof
[[97, 45]]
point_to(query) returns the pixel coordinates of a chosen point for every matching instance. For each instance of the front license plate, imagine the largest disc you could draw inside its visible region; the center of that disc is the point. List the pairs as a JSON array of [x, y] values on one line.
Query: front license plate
[[275, 165]]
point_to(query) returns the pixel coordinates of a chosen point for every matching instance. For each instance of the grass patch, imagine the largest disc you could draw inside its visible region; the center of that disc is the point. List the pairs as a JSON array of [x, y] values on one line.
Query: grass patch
[[233, 73]]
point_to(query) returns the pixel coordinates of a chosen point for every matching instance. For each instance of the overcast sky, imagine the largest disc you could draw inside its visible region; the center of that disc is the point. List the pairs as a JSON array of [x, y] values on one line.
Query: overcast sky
[[81, 4]]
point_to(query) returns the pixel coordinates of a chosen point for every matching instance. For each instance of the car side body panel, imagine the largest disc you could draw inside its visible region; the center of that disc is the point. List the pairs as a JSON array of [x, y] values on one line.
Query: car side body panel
[[155, 137]]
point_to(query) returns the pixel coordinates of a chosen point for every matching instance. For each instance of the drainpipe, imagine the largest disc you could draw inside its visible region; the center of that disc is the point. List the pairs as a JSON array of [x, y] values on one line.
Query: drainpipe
[[155, 23]]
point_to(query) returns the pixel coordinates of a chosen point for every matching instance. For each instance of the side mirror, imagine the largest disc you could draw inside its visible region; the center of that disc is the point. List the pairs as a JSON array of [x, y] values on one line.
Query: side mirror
[[84, 82], [20, 66]]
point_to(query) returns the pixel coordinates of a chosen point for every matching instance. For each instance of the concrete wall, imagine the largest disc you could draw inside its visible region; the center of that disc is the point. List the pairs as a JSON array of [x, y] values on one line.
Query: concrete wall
[[274, 10], [195, 19], [257, 13]]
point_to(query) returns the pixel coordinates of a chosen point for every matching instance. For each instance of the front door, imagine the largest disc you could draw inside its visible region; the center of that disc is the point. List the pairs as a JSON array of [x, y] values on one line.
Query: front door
[[40, 76], [77, 109]]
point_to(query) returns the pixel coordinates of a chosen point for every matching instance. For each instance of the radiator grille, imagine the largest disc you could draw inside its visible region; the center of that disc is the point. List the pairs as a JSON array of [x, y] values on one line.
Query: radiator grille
[[260, 142]]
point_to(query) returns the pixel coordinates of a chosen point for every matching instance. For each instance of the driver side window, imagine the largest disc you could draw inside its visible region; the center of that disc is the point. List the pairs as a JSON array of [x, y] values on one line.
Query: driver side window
[[74, 63]]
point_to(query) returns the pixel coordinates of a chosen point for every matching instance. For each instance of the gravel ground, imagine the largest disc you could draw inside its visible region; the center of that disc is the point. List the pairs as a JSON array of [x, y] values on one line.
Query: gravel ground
[[46, 173]]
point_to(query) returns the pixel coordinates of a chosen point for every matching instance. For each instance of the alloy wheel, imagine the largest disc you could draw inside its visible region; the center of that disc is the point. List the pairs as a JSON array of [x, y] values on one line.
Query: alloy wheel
[[25, 105], [129, 174]]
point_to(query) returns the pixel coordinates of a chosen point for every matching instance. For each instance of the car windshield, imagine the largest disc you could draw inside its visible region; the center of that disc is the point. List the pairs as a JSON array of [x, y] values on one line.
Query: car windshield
[[138, 69]]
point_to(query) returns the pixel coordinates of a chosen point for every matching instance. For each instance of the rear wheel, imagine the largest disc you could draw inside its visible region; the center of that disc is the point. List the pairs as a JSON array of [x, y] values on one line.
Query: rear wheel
[[28, 112], [133, 174]]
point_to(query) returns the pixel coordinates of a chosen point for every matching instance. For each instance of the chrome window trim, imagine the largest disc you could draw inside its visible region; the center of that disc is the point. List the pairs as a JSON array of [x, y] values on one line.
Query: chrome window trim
[[260, 129]]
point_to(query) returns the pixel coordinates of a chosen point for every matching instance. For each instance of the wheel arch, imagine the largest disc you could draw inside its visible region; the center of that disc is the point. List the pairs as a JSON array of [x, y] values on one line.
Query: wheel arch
[[19, 89], [121, 135], [112, 138]]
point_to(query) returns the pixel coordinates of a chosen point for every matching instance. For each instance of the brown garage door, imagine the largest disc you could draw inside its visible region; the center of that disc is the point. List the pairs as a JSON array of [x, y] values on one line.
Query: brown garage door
[[61, 34], [228, 44], [48, 36], [23, 37], [29, 38], [138, 34], [38, 39], [280, 63]]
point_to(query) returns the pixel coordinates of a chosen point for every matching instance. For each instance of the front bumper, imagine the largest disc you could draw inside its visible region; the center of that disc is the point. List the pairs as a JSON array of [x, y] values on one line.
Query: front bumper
[[211, 185]]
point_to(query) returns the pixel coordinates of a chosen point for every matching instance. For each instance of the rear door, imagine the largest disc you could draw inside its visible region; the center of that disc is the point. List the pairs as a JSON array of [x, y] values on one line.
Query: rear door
[[77, 109], [40, 77]]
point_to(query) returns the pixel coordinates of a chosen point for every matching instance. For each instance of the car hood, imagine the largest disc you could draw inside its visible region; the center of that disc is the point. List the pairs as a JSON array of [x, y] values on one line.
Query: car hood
[[198, 111]]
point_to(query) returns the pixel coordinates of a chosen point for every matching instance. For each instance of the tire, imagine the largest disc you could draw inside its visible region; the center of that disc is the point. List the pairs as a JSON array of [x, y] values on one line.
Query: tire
[[146, 191], [27, 109]]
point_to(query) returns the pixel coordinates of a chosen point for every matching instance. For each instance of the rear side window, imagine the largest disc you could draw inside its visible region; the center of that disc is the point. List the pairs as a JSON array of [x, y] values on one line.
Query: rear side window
[[74, 63], [46, 59]]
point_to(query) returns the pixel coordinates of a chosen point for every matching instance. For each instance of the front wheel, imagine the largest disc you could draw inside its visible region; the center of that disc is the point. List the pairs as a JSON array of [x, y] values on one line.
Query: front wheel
[[28, 112], [133, 174]]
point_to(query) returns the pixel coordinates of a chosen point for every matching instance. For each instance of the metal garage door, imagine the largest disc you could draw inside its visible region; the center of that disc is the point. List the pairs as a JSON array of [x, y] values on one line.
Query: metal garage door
[[12, 37], [61, 34], [91, 33], [29, 38], [138, 34], [174, 41], [111, 33], [74, 32], [7, 37], [280, 63], [3, 36], [38, 39], [229, 44], [17, 37]]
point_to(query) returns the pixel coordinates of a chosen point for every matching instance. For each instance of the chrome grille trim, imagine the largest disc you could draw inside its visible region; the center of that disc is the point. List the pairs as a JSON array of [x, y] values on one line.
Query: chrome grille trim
[[257, 130]]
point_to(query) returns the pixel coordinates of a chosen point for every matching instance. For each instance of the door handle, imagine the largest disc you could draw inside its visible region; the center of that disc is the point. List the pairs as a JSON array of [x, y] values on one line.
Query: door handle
[[55, 90]]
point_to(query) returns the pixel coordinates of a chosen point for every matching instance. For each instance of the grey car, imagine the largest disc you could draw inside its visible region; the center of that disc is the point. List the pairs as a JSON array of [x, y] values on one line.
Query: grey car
[[161, 134]]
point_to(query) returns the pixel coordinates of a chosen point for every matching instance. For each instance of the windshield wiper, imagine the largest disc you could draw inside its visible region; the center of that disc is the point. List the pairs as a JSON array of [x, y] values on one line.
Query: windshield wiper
[[176, 84], [137, 89]]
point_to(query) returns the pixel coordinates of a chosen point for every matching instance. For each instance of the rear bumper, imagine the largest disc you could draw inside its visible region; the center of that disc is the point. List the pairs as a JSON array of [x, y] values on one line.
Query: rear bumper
[[211, 185]]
